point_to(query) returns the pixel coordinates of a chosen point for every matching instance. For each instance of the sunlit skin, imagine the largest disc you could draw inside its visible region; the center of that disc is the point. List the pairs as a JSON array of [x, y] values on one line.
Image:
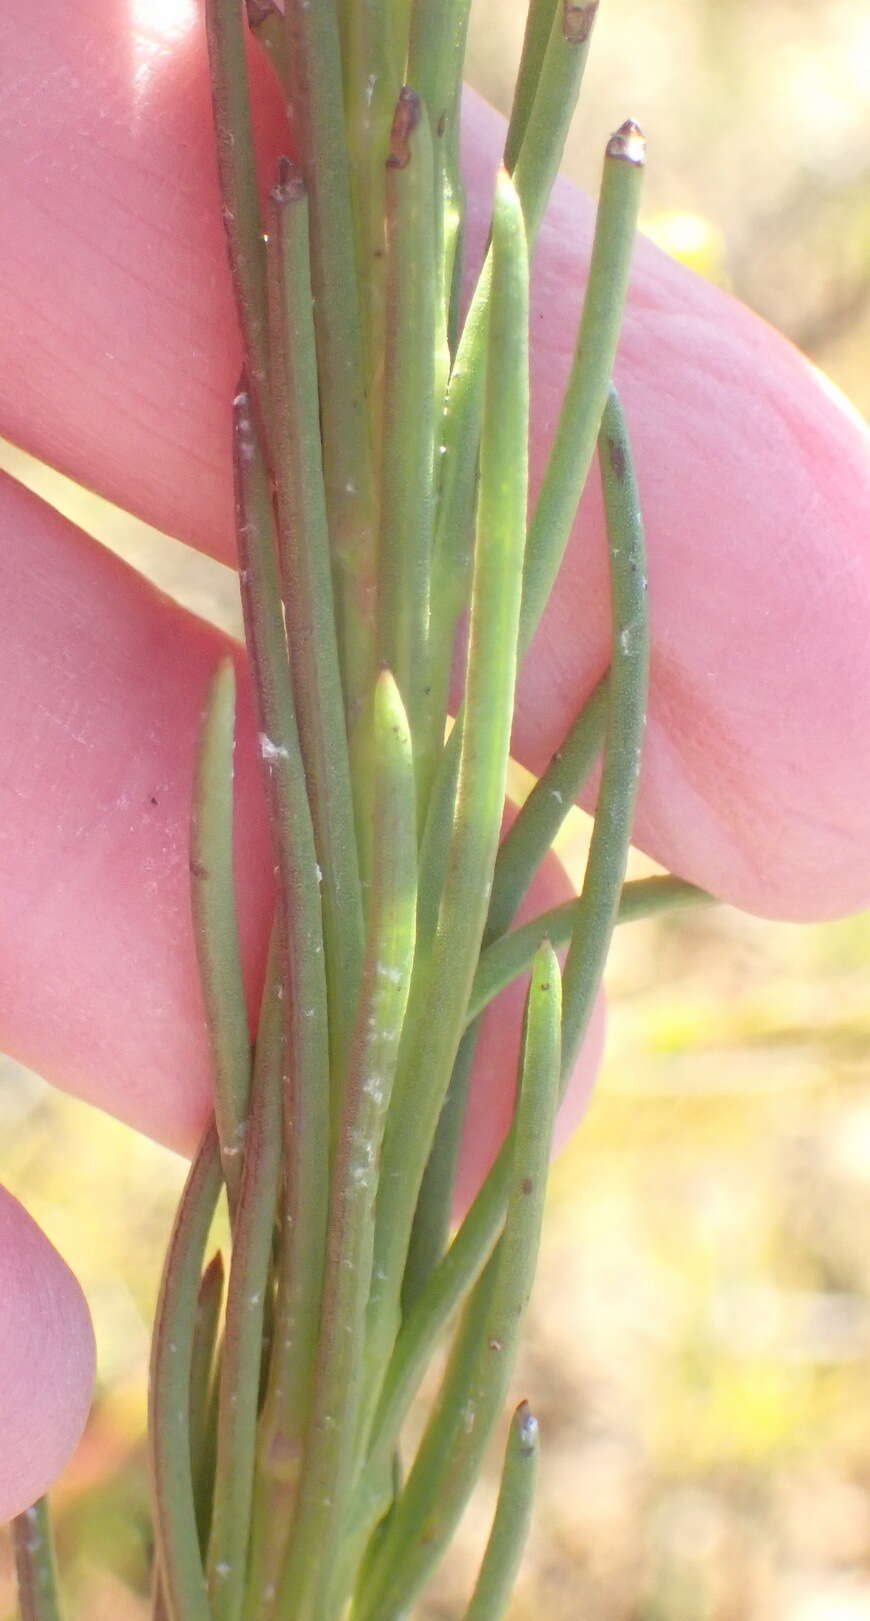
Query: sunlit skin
[[119, 355]]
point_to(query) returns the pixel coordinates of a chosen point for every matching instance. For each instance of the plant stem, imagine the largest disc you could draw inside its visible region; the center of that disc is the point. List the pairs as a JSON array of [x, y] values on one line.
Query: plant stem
[[306, 580], [32, 1543], [316, 80], [510, 1527], [175, 1525], [238, 181], [204, 1383], [332, 1431], [215, 923], [409, 423], [503, 962], [449, 1457], [527, 842], [589, 379], [629, 674], [227, 1566], [535, 170], [441, 985], [306, 1125]]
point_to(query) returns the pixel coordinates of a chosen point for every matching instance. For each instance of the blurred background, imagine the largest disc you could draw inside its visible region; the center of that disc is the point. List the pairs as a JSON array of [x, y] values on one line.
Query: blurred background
[[699, 1348]]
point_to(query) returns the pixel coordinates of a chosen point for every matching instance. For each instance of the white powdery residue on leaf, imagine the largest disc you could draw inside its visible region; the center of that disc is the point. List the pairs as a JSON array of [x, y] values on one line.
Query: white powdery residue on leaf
[[392, 974], [272, 751]]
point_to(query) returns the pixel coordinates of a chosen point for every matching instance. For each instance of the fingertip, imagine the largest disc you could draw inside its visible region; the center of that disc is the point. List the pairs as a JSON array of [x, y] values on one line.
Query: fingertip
[[47, 1358]]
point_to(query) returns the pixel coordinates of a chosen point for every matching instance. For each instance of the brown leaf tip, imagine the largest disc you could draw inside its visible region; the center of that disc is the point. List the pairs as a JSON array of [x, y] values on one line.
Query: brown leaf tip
[[628, 144], [406, 117], [577, 21], [289, 185]]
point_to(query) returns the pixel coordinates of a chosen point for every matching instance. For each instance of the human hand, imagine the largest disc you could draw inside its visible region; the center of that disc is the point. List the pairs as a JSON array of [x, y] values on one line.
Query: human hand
[[120, 356]]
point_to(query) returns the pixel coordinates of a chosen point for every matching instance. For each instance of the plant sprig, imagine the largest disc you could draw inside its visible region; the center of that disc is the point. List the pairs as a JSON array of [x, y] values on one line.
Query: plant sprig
[[381, 453]]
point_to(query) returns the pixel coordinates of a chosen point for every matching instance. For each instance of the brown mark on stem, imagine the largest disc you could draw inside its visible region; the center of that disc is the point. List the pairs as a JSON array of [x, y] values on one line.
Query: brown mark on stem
[[259, 10], [577, 21], [628, 144], [289, 186], [616, 457], [405, 120]]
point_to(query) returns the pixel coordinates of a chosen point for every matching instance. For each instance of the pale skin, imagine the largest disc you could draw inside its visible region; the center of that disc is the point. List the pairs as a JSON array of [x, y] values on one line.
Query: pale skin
[[119, 354]]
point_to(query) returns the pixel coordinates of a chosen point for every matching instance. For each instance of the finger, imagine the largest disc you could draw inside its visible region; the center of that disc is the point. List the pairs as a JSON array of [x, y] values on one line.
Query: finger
[[126, 352], [755, 482], [103, 689], [46, 1360]]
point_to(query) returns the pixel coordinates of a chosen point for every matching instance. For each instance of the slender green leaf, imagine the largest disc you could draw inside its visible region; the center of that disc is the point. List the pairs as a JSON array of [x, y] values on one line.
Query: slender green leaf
[[512, 955], [510, 1526], [227, 1566], [204, 1379], [629, 674], [306, 580], [451, 1452], [332, 1431], [318, 103], [442, 982], [526, 843], [238, 182], [409, 424], [174, 1508], [215, 923], [306, 1122], [589, 378]]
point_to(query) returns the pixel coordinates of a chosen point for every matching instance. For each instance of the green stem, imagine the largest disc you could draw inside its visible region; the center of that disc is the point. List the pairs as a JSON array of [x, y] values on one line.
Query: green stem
[[204, 1381], [331, 1438], [32, 1543], [436, 1013], [519, 856], [317, 95], [539, 152], [216, 925], [421, 1330], [527, 842], [536, 168], [303, 536], [510, 1526], [227, 1566], [461, 1264], [629, 675], [409, 423], [169, 1407], [478, 1374], [539, 22], [589, 379], [436, 54], [432, 1216], [238, 182], [374, 41], [306, 1128], [506, 959]]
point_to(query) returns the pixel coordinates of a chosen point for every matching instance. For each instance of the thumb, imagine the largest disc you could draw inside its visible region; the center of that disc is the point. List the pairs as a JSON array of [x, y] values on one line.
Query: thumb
[[46, 1360]]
